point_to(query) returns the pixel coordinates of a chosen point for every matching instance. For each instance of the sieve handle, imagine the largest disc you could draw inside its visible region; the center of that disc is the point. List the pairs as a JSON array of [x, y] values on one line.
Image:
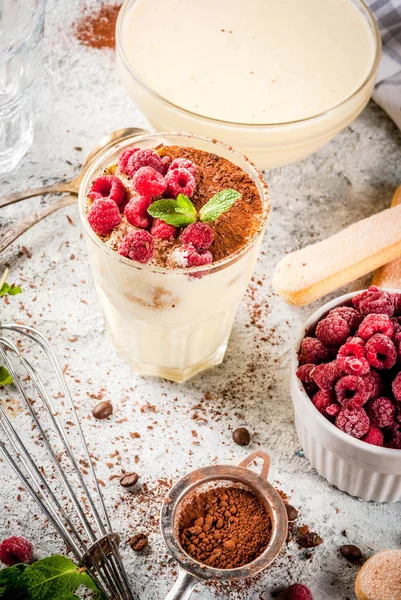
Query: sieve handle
[[254, 456], [183, 587]]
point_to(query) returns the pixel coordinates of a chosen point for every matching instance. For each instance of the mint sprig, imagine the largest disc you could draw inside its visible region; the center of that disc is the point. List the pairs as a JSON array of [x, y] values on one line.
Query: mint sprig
[[11, 290], [5, 379], [181, 212]]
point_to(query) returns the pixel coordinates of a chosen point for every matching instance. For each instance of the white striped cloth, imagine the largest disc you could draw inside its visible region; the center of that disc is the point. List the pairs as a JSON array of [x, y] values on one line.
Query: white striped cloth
[[387, 91]]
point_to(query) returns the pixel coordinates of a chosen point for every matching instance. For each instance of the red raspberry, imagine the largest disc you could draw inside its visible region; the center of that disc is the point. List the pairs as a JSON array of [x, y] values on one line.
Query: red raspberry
[[332, 331], [326, 374], [104, 216], [124, 158], [354, 366], [381, 412], [351, 357], [351, 392], [333, 409], [15, 550], [143, 157], [374, 437], [137, 245], [355, 422], [352, 316], [396, 387], [375, 323], [184, 163], [354, 346], [162, 230], [373, 384], [200, 235], [166, 161], [322, 400], [374, 300], [304, 373], [297, 591], [395, 440], [148, 182], [313, 351], [188, 256], [136, 211], [107, 186], [380, 352], [397, 304], [180, 181]]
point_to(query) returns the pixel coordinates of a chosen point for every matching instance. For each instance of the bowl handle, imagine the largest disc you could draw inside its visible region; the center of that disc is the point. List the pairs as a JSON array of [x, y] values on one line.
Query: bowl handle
[[183, 587], [255, 455]]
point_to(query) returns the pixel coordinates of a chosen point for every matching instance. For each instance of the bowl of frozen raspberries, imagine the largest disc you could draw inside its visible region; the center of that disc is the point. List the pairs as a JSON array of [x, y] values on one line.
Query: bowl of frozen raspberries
[[346, 391]]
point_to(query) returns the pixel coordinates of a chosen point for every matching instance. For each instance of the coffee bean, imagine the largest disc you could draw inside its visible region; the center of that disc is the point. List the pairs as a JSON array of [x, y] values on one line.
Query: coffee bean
[[310, 540], [351, 553], [292, 512], [138, 542], [241, 436], [102, 410], [128, 480]]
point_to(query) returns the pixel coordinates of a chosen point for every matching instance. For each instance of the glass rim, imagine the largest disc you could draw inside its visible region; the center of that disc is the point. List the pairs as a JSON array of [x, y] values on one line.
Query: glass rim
[[368, 14], [257, 178], [38, 21]]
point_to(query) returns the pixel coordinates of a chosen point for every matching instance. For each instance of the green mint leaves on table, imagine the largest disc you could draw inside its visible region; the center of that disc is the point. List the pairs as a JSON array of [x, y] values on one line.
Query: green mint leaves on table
[[11, 290], [5, 379], [181, 212], [52, 578]]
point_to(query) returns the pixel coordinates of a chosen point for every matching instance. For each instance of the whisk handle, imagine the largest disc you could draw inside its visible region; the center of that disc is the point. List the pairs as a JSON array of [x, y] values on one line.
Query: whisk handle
[[183, 587]]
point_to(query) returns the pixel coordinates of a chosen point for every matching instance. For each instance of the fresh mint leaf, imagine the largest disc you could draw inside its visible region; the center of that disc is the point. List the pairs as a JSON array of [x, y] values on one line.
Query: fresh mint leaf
[[180, 212], [219, 204], [5, 288], [5, 379], [11, 290], [10, 583]]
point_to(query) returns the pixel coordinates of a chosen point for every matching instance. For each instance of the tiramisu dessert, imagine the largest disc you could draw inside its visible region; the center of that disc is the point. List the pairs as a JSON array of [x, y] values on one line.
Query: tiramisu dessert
[[175, 231]]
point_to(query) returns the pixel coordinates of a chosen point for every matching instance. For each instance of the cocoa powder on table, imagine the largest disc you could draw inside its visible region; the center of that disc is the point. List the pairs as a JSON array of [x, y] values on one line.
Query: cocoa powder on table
[[96, 29], [225, 527]]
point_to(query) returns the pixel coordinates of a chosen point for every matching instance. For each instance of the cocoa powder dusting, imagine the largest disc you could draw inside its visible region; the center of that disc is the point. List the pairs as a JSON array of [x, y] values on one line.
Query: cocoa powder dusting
[[225, 527], [97, 29]]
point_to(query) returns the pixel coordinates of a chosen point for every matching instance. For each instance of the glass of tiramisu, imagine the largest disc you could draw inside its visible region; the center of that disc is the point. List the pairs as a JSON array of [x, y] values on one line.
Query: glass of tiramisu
[[173, 223]]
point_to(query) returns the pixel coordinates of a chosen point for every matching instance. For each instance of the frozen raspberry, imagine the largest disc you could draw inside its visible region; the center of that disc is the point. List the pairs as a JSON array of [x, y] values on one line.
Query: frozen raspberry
[[397, 304], [351, 392], [143, 157], [137, 245], [166, 161], [136, 211], [124, 158], [15, 550], [354, 366], [304, 373], [107, 186], [373, 383], [374, 300], [381, 412], [395, 437], [380, 352], [103, 216], [297, 591], [396, 387], [352, 316], [162, 230], [322, 399], [180, 181], [354, 346], [184, 163], [333, 409], [332, 331], [326, 374], [375, 323], [374, 437], [148, 182], [351, 357], [313, 351], [355, 422], [188, 256], [200, 235]]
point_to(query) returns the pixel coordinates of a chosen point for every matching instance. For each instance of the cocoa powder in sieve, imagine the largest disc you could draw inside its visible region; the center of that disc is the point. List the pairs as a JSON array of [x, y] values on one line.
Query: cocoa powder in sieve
[[225, 527]]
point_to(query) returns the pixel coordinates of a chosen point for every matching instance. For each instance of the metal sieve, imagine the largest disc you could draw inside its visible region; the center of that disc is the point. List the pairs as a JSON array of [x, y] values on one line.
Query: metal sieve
[[191, 572]]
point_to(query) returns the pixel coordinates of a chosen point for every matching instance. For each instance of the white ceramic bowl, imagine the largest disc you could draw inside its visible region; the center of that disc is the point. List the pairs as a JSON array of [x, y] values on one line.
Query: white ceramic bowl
[[360, 469]]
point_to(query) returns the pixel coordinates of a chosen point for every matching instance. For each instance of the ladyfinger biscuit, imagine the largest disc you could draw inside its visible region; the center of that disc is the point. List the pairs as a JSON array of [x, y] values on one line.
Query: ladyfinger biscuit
[[380, 577], [308, 274], [389, 276]]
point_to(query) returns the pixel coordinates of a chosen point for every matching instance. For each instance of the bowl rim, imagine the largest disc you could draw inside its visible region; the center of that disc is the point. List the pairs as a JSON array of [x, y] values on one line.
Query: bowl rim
[[307, 402], [360, 4]]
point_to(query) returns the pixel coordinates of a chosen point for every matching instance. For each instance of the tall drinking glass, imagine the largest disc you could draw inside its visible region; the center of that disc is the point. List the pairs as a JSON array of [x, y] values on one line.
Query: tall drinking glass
[[21, 29]]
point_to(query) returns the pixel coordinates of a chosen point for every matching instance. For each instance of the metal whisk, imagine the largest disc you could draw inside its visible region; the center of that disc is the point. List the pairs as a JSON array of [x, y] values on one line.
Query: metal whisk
[[69, 496]]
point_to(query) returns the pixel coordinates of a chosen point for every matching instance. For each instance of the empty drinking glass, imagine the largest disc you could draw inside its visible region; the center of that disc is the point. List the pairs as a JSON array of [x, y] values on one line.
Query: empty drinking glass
[[21, 29]]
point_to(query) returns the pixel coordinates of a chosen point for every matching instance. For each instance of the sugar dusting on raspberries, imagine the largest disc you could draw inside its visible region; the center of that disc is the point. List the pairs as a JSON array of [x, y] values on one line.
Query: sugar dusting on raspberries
[[137, 245], [326, 375], [374, 437], [108, 186], [148, 182], [103, 216], [297, 591], [313, 351], [322, 400], [351, 391], [180, 181], [162, 230], [15, 550], [136, 211], [200, 235], [375, 323], [374, 300], [187, 256], [354, 422], [333, 330], [380, 352], [373, 384], [143, 157], [351, 315], [381, 412]]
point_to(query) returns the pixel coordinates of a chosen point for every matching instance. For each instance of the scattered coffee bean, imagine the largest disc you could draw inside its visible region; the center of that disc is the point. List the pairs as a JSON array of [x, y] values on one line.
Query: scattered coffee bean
[[292, 512], [310, 540], [351, 553], [138, 542], [128, 480], [102, 410], [241, 436]]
